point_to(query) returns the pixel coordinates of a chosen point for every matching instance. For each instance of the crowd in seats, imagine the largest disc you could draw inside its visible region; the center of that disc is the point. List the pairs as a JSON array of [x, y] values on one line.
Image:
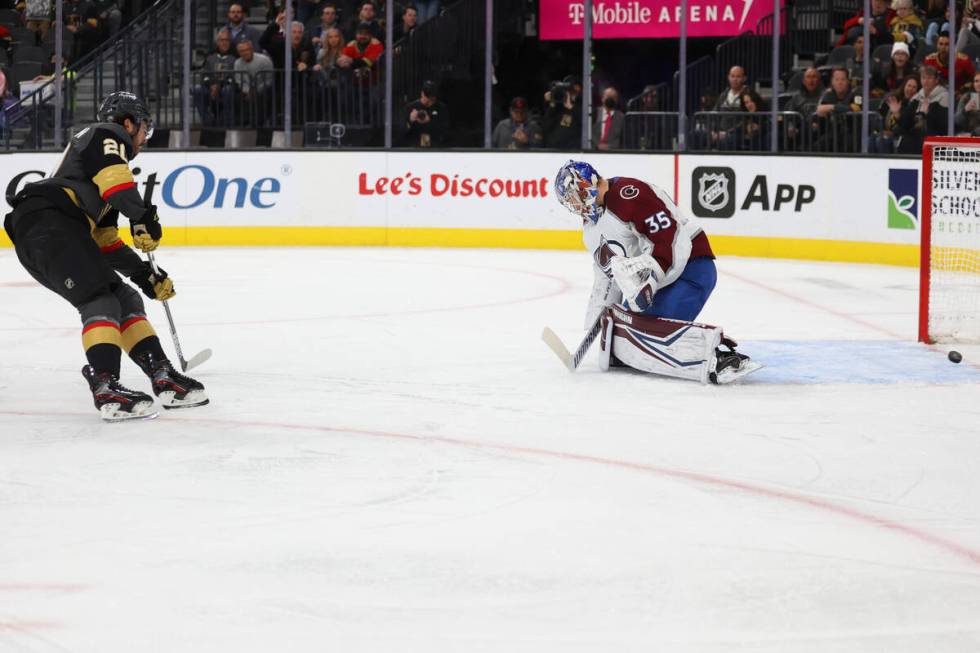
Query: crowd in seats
[[911, 55]]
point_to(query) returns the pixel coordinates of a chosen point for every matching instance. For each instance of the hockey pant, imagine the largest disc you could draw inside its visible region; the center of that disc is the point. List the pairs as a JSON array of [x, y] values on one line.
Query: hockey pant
[[685, 350], [59, 252]]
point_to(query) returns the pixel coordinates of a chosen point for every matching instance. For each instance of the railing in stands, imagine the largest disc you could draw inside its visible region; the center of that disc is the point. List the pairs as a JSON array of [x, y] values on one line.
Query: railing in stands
[[137, 53]]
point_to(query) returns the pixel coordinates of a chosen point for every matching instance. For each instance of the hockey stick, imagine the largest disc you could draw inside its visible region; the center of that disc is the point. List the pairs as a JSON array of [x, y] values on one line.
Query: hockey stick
[[571, 360], [198, 358]]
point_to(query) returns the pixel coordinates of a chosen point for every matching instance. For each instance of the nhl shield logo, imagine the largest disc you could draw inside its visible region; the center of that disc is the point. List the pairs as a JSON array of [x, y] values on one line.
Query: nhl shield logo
[[713, 192]]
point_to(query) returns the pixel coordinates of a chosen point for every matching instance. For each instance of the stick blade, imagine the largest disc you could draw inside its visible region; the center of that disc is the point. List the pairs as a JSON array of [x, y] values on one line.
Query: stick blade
[[556, 345], [196, 360]]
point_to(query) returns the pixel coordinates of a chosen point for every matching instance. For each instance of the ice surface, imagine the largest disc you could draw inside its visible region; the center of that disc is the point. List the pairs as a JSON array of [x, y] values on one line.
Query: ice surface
[[393, 461]]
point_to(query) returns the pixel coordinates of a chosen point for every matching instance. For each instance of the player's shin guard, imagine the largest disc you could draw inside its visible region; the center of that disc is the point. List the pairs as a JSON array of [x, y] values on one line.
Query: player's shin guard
[[101, 340], [684, 350]]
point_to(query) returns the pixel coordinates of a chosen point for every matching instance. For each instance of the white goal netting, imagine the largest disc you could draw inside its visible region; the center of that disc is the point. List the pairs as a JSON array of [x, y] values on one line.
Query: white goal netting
[[953, 223]]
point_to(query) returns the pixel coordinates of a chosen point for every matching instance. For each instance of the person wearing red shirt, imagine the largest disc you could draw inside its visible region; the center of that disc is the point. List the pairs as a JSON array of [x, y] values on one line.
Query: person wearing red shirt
[[364, 51], [880, 28], [940, 61]]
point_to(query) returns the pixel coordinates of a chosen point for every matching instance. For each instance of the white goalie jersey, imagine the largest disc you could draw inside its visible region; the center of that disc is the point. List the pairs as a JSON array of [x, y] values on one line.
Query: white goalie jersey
[[639, 220]]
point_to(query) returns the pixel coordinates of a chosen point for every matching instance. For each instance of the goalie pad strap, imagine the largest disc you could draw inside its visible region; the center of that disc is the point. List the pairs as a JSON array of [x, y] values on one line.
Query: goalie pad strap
[[684, 350]]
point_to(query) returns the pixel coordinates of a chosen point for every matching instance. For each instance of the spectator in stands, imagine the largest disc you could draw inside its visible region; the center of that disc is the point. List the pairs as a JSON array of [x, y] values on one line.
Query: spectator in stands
[[426, 121], [721, 130], [880, 28], [317, 31], [519, 132], [838, 102], [907, 27], [428, 9], [217, 88], [37, 16], [110, 14], [968, 111], [925, 115], [409, 21], [805, 100], [254, 74], [754, 132], [562, 118], [937, 21], [367, 15], [855, 66], [273, 41], [969, 26], [892, 73], [238, 28], [645, 101], [891, 111], [332, 52], [89, 34], [364, 51], [940, 61], [305, 9], [610, 123]]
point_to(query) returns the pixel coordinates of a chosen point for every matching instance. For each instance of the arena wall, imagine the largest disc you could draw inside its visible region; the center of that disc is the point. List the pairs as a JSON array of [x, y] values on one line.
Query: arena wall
[[821, 208]]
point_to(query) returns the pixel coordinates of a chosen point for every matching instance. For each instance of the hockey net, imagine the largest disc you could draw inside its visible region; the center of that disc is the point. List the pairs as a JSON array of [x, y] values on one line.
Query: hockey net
[[949, 291]]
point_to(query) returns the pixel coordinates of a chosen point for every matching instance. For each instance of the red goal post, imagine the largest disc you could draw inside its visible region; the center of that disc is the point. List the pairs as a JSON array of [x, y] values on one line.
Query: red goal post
[[949, 263]]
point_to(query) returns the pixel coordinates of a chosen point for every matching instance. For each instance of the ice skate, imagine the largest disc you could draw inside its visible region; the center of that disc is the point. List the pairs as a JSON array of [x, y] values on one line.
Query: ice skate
[[115, 401], [731, 365], [173, 389]]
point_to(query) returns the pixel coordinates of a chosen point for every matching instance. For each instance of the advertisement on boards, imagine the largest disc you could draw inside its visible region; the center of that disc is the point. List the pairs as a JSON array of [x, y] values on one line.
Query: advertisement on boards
[[846, 199]]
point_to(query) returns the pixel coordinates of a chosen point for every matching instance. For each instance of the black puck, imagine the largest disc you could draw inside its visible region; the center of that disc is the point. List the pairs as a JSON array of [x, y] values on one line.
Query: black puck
[[955, 356]]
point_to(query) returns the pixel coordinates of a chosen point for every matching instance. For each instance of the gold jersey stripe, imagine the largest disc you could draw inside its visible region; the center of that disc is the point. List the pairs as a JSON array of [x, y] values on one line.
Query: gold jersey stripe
[[112, 176], [101, 335], [105, 236], [135, 332]]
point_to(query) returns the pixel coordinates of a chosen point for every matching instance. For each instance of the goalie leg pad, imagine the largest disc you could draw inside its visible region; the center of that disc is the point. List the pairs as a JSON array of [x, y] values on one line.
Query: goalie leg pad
[[684, 350]]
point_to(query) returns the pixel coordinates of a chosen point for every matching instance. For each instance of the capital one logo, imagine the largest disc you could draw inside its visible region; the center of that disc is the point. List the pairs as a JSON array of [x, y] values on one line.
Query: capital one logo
[[713, 192], [903, 198]]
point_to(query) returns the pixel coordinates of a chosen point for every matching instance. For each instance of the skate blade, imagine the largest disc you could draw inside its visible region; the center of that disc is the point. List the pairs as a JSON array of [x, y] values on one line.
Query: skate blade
[[142, 410], [194, 398], [729, 375]]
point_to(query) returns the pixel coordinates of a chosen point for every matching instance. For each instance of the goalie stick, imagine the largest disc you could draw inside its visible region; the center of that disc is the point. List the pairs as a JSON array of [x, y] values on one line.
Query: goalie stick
[[199, 357], [571, 360]]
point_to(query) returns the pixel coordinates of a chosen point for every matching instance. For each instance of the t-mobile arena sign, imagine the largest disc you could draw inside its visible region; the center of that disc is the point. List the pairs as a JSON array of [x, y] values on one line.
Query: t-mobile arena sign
[[646, 19]]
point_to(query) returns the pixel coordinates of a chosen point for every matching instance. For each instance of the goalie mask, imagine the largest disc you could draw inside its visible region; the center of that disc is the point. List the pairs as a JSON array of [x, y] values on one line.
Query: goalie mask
[[577, 188]]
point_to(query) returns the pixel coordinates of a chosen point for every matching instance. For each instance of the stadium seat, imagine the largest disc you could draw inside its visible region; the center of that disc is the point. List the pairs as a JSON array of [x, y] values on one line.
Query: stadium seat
[[22, 36], [840, 55], [923, 51], [20, 72], [10, 18], [31, 53], [795, 82], [882, 53]]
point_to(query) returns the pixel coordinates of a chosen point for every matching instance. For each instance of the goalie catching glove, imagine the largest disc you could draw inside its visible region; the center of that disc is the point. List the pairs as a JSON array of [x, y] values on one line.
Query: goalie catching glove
[[636, 278], [147, 231], [155, 285]]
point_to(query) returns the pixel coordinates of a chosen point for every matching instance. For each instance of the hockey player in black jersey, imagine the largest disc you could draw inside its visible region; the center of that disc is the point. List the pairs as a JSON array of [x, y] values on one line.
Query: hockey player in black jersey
[[64, 230]]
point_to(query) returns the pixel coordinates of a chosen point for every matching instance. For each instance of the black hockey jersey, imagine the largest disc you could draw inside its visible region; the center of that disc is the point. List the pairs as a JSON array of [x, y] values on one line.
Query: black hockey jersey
[[93, 179]]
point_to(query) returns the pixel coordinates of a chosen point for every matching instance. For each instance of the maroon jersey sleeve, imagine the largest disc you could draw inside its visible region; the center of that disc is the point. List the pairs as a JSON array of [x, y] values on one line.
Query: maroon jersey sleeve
[[634, 201]]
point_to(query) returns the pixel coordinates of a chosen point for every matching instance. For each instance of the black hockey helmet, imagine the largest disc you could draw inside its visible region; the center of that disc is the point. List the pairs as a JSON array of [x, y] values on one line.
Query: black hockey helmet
[[123, 104]]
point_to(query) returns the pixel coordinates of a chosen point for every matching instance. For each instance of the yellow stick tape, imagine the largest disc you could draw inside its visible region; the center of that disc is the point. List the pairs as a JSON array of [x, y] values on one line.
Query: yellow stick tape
[[792, 248]]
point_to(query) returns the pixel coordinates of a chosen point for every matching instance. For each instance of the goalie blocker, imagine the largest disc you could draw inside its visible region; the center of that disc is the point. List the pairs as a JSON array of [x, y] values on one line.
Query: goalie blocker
[[683, 350]]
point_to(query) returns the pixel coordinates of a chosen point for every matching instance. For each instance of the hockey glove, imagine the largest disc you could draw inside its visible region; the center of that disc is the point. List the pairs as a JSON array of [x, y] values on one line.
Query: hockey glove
[[634, 276], [147, 230], [155, 285]]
